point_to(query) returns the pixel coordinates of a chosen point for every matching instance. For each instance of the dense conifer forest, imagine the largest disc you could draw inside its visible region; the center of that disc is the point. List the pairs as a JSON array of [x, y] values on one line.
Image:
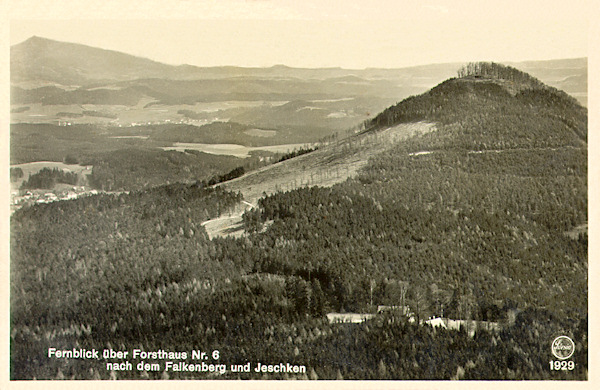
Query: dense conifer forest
[[467, 222]]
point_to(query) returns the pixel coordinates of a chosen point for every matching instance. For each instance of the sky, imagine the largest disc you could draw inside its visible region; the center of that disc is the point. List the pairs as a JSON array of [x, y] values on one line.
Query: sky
[[326, 33]]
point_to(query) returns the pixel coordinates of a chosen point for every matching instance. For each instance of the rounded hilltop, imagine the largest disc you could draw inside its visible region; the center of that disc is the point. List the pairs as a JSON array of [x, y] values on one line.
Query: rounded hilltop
[[484, 89], [512, 79]]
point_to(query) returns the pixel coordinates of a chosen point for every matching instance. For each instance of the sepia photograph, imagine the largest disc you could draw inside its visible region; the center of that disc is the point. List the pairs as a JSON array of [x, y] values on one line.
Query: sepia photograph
[[263, 191]]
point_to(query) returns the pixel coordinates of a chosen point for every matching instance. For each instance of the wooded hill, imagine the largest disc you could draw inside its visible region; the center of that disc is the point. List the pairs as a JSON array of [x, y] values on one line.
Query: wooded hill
[[468, 220]]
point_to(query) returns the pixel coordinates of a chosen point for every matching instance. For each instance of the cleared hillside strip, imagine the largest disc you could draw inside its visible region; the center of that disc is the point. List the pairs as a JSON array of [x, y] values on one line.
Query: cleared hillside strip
[[326, 166]]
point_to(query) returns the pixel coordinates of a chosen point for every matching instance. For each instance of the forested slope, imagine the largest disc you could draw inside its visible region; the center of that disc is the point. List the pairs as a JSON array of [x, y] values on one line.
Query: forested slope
[[467, 221]]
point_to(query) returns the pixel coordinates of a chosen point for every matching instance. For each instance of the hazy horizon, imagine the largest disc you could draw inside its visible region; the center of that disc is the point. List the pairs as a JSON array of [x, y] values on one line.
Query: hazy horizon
[[308, 67], [355, 36]]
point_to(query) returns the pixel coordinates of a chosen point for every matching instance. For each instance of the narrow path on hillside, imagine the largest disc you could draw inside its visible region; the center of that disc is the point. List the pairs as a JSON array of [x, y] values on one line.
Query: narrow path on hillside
[[483, 151]]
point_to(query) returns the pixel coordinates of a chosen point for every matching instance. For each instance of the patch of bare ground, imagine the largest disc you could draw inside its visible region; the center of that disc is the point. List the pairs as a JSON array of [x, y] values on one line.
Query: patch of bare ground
[[225, 226], [328, 165]]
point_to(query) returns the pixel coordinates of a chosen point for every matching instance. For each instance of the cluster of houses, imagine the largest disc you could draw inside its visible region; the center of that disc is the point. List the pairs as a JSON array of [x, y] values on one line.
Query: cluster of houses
[[470, 326], [188, 121], [21, 198], [355, 318], [120, 123]]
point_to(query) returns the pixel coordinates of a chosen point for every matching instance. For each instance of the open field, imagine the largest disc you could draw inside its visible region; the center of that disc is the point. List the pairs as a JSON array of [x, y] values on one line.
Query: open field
[[232, 149]]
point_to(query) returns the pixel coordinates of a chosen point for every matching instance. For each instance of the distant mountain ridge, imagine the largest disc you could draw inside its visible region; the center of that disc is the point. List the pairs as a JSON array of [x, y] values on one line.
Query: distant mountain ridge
[[70, 63], [49, 78], [41, 59]]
